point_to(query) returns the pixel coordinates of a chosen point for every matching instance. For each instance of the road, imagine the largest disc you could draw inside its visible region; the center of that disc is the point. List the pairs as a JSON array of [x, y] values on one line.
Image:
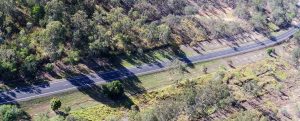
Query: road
[[63, 85]]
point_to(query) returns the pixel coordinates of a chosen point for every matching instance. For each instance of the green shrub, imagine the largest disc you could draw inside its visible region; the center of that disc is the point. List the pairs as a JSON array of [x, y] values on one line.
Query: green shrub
[[72, 57], [37, 12], [113, 90], [270, 51], [49, 67], [55, 104], [11, 113]]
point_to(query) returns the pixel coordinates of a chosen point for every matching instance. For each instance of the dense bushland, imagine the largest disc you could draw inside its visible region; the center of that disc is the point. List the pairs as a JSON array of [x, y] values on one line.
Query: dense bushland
[[34, 33]]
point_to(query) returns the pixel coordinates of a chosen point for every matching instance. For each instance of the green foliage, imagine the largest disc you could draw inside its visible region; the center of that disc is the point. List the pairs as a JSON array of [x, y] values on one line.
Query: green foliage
[[37, 12], [242, 11], [49, 67], [259, 21], [54, 10], [55, 104], [195, 100], [283, 11], [249, 115], [8, 67], [51, 38], [113, 90], [11, 113], [68, 30], [72, 57], [252, 88], [29, 68], [94, 113], [270, 51]]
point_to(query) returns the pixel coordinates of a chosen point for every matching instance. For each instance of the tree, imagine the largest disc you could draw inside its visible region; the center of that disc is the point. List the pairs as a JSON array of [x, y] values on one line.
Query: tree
[[80, 28], [7, 6], [164, 33], [177, 69], [99, 41], [54, 10], [113, 90], [283, 12], [190, 10], [215, 95], [242, 11], [259, 21], [72, 57], [8, 64], [37, 12], [11, 113], [177, 6], [29, 68], [148, 10], [51, 39], [55, 104]]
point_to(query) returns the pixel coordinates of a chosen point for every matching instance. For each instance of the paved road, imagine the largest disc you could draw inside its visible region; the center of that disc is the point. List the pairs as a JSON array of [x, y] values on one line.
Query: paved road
[[82, 81]]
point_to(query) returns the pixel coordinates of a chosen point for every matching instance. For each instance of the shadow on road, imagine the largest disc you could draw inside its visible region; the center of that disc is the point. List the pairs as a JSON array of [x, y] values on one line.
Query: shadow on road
[[91, 85], [9, 95]]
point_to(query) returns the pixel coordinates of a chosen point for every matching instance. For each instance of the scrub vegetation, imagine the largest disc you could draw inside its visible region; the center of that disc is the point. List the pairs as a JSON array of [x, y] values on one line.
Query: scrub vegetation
[[39, 38]]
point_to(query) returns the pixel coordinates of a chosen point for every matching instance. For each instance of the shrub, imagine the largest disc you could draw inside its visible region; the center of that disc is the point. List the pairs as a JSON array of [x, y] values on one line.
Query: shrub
[[11, 113], [270, 51], [49, 67], [55, 104], [67, 110], [42, 117], [249, 115], [113, 90], [72, 57], [37, 12], [190, 10]]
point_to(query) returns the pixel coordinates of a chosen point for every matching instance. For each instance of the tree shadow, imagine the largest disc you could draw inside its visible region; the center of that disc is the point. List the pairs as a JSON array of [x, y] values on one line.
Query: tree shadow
[[90, 84], [89, 87], [182, 56], [17, 91]]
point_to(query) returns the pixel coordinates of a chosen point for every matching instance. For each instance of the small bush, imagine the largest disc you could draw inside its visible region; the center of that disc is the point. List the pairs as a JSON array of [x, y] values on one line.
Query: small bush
[[190, 10], [270, 51], [73, 57], [113, 90], [55, 104], [49, 67]]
